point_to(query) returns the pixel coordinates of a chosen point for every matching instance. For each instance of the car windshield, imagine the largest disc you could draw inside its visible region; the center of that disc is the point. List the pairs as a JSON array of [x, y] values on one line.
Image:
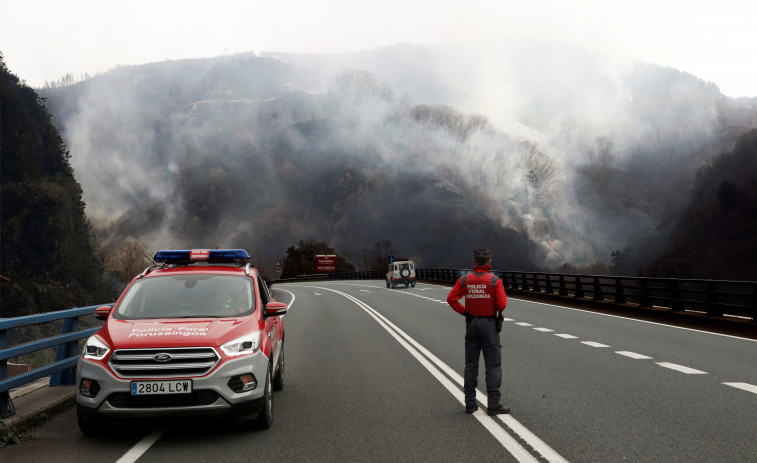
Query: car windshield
[[187, 296], [404, 266]]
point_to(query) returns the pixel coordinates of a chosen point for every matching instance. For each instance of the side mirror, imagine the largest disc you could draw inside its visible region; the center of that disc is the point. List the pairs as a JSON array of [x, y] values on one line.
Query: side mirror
[[275, 308], [101, 313]]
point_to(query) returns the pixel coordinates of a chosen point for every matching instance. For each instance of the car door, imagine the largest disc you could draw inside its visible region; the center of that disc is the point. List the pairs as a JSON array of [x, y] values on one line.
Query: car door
[[273, 324]]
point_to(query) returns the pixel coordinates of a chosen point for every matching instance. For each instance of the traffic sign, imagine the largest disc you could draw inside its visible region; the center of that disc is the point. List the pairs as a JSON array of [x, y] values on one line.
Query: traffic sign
[[389, 259]]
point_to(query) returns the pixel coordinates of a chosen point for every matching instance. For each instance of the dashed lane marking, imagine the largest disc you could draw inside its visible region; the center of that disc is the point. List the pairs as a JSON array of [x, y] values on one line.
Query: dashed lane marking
[[681, 368], [743, 386], [141, 447], [544, 330], [594, 344], [566, 336], [633, 355], [524, 324]]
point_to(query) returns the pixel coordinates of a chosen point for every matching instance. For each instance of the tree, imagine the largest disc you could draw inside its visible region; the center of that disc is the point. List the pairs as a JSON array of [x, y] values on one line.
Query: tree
[[604, 150], [128, 260], [541, 169], [47, 249], [301, 260], [360, 85], [375, 258]]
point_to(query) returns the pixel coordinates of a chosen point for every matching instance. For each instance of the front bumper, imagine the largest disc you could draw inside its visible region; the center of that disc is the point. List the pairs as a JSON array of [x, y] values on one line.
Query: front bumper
[[211, 394]]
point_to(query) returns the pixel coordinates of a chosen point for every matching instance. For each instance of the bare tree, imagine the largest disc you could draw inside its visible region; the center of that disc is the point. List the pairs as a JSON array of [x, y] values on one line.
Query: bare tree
[[360, 85], [540, 168], [604, 150], [128, 260]]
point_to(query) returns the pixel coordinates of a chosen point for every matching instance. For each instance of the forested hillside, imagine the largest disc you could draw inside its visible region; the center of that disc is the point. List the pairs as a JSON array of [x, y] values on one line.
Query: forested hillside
[[570, 162], [47, 253], [717, 234]]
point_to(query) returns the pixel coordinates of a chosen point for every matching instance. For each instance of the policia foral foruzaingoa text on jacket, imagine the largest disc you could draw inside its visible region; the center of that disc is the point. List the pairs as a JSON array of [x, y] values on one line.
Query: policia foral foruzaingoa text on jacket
[[485, 300]]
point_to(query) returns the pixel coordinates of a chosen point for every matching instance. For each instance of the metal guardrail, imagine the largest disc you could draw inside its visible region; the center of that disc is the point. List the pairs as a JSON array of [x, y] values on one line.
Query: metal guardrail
[[61, 371], [715, 298]]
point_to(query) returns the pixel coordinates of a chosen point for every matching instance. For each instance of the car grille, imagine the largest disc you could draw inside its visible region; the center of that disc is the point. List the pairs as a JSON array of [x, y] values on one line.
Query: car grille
[[193, 399], [184, 362]]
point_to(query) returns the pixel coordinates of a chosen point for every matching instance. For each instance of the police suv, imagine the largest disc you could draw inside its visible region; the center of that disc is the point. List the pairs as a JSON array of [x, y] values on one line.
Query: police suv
[[400, 272], [196, 334]]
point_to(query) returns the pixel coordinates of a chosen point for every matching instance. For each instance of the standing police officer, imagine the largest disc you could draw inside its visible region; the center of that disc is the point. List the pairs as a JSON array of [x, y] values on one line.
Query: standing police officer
[[484, 301]]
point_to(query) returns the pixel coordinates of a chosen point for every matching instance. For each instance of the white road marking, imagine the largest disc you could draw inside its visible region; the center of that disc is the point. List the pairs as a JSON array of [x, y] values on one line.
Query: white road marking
[[743, 386], [633, 355], [141, 447], [508, 319], [365, 291], [633, 319], [594, 344], [293, 298], [317, 294], [418, 351], [544, 330], [681, 368]]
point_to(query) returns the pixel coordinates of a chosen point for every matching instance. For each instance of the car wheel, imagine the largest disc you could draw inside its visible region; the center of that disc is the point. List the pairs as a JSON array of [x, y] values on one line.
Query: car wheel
[[90, 425], [265, 418], [412, 284], [278, 380], [407, 284], [387, 283]]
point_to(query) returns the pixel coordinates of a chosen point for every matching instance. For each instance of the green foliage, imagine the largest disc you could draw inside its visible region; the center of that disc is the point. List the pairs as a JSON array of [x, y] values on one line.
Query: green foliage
[[10, 435], [47, 249], [14, 435]]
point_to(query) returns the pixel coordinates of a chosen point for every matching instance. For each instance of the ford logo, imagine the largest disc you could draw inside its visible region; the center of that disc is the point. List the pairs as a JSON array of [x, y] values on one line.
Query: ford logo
[[162, 357]]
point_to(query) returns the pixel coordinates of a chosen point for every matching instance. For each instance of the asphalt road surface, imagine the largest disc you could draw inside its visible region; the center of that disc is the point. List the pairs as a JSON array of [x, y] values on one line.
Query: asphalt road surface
[[375, 374]]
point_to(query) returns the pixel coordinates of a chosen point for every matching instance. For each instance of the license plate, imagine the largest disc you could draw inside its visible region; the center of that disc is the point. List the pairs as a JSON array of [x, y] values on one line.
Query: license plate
[[182, 386]]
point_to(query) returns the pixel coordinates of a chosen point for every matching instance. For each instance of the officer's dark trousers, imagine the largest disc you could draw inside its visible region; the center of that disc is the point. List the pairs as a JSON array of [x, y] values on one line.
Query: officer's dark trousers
[[481, 335]]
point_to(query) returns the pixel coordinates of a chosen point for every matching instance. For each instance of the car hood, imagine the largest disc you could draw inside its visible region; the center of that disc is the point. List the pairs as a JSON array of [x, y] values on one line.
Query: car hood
[[176, 332]]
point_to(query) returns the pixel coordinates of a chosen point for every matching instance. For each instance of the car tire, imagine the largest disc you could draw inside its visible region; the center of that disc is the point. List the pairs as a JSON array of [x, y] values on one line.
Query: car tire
[[265, 417], [407, 284], [412, 284], [90, 425], [278, 380], [387, 283]]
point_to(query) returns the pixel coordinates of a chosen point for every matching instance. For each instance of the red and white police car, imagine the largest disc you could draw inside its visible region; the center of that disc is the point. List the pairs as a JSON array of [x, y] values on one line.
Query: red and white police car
[[196, 334]]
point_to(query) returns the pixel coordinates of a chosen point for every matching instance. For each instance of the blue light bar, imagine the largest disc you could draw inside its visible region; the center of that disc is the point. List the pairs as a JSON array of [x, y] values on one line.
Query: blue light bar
[[201, 255]]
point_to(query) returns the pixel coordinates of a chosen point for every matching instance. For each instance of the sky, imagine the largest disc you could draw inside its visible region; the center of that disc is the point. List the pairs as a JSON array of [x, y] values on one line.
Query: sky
[[43, 40]]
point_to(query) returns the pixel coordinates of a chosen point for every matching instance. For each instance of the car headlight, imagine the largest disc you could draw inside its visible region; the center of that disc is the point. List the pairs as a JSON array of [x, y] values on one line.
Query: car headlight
[[247, 344], [95, 349]]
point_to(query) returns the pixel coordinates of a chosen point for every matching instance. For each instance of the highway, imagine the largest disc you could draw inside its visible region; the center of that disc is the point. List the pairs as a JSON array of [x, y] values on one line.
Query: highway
[[375, 374]]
